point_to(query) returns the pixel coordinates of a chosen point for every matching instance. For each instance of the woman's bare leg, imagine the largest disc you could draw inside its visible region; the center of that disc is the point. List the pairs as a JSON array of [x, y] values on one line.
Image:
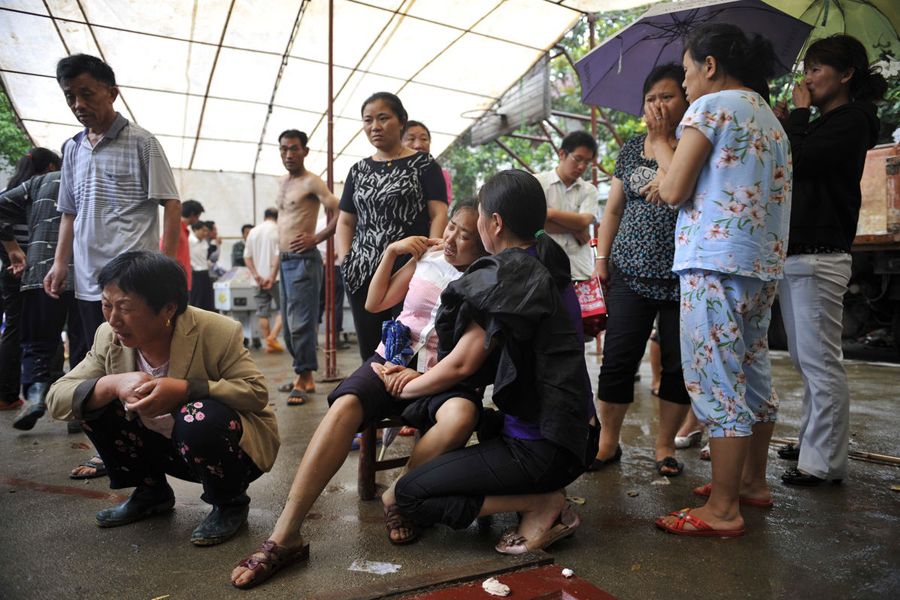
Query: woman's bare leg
[[670, 417], [327, 451]]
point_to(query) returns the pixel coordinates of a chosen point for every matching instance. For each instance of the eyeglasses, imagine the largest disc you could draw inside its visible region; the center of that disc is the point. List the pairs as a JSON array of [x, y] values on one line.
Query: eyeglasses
[[581, 162]]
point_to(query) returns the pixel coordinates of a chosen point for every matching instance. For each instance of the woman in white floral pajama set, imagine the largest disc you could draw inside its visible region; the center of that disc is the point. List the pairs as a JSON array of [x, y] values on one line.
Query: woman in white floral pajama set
[[730, 179]]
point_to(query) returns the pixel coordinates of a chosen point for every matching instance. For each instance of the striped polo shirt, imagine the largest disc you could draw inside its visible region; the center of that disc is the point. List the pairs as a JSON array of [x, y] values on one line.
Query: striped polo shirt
[[114, 190]]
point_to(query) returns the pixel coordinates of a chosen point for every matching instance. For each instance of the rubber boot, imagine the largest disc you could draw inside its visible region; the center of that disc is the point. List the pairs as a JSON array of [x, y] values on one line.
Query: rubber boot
[[34, 407]]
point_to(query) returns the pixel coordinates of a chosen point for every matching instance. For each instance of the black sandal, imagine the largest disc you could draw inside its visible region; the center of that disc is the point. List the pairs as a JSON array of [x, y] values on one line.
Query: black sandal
[[669, 462], [789, 451], [272, 559], [394, 520]]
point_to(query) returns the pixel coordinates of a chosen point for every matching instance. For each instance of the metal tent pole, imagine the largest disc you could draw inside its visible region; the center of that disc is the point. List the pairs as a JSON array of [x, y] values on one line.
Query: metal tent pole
[[330, 317]]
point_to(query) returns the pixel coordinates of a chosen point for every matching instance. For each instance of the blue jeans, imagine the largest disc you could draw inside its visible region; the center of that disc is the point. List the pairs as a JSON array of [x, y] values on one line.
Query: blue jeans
[[301, 280]]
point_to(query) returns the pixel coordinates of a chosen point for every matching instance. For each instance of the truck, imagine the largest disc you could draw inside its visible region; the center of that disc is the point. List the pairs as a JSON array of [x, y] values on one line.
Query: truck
[[872, 302]]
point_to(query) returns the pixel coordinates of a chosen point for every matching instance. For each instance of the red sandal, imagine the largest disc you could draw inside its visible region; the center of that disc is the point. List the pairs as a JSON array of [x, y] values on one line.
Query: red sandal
[[701, 527]]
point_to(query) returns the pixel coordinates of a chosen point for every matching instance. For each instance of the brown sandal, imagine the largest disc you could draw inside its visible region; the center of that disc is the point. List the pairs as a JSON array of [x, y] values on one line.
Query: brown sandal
[[274, 559], [394, 520]]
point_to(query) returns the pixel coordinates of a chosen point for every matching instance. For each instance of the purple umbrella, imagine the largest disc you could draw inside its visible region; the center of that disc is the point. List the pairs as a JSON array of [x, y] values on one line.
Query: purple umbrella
[[613, 73]]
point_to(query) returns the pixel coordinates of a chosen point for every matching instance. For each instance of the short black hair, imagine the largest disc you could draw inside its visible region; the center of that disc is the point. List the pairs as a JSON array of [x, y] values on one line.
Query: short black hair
[[36, 161], [199, 225], [294, 133], [191, 208], [245, 227], [671, 71], [578, 139], [393, 103], [270, 213], [71, 67], [518, 197], [209, 224], [410, 124], [154, 277], [842, 53]]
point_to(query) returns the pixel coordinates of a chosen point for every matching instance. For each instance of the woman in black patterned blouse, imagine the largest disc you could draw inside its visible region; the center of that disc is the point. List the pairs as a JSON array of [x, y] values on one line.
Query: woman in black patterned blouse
[[636, 246], [395, 193]]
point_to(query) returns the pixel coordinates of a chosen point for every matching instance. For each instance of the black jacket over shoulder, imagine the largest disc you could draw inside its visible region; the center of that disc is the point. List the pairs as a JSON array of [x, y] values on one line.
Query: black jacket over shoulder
[[538, 368], [829, 154]]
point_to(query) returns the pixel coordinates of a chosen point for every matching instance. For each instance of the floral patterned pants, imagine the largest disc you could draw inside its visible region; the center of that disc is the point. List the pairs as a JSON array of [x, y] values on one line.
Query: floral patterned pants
[[204, 448], [725, 350]]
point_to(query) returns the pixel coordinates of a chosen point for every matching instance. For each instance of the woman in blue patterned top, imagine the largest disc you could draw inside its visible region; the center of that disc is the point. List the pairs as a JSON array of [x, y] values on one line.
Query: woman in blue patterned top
[[730, 179], [638, 266]]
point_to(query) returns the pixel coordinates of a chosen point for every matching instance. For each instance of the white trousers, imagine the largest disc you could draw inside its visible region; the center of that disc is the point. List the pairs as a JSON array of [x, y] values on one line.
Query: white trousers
[[811, 296]]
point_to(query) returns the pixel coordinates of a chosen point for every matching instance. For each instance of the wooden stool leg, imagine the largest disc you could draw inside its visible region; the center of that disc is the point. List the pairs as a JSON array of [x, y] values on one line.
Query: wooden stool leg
[[365, 483]]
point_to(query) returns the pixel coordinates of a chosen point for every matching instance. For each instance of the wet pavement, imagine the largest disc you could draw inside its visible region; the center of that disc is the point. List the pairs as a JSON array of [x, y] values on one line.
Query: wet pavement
[[828, 542]]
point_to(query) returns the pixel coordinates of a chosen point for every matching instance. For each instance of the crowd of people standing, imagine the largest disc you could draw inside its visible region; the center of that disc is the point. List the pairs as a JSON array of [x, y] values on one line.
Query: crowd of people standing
[[721, 204]]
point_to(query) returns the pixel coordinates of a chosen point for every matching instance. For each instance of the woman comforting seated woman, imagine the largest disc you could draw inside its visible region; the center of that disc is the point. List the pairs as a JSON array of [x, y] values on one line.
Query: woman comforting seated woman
[[363, 398], [168, 389], [512, 320]]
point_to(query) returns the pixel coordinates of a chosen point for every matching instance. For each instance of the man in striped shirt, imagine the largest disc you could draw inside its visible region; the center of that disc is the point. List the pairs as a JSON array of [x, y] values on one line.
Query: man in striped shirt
[[114, 177]]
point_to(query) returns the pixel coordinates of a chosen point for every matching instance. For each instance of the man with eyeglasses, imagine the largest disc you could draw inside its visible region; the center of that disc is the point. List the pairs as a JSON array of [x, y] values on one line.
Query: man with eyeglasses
[[572, 202]]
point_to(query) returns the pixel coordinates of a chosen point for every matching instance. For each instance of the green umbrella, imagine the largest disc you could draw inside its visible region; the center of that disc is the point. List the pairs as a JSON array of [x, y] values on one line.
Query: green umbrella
[[873, 22]]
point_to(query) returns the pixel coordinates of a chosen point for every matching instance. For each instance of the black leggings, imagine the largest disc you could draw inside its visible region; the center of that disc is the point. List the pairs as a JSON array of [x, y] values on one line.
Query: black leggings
[[451, 488], [627, 329], [205, 448]]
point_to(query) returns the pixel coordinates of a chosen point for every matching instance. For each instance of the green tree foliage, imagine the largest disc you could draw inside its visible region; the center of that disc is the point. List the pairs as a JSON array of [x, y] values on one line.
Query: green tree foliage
[[13, 141], [470, 165]]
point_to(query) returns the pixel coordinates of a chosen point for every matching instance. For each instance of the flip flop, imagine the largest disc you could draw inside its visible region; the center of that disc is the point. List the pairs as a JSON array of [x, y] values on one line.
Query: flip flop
[[99, 468], [669, 462], [297, 397], [686, 441], [274, 559], [702, 528], [513, 543], [706, 490]]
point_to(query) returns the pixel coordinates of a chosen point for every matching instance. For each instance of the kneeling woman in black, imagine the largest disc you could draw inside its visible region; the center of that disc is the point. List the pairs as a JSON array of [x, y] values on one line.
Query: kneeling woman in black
[[512, 320]]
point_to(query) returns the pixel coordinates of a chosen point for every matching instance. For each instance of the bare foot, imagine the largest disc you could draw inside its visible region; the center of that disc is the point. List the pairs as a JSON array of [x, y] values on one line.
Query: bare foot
[[306, 382], [756, 491]]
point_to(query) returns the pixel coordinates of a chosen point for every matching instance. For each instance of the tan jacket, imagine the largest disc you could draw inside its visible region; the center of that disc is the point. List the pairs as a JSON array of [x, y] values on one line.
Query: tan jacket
[[208, 351]]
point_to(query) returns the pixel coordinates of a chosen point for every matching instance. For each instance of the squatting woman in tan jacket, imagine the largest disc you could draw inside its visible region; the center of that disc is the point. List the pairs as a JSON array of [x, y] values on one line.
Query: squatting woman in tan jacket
[[169, 389]]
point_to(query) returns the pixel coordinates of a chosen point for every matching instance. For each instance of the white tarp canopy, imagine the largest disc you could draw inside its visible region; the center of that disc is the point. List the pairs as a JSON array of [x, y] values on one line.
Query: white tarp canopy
[[217, 80]]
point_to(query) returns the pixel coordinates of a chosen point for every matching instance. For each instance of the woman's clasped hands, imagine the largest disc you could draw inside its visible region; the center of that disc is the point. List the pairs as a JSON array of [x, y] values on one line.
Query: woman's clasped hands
[[395, 377], [149, 397]]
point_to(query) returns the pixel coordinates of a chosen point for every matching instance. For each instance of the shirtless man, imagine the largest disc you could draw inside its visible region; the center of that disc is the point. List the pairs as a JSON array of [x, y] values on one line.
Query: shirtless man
[[299, 196]]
